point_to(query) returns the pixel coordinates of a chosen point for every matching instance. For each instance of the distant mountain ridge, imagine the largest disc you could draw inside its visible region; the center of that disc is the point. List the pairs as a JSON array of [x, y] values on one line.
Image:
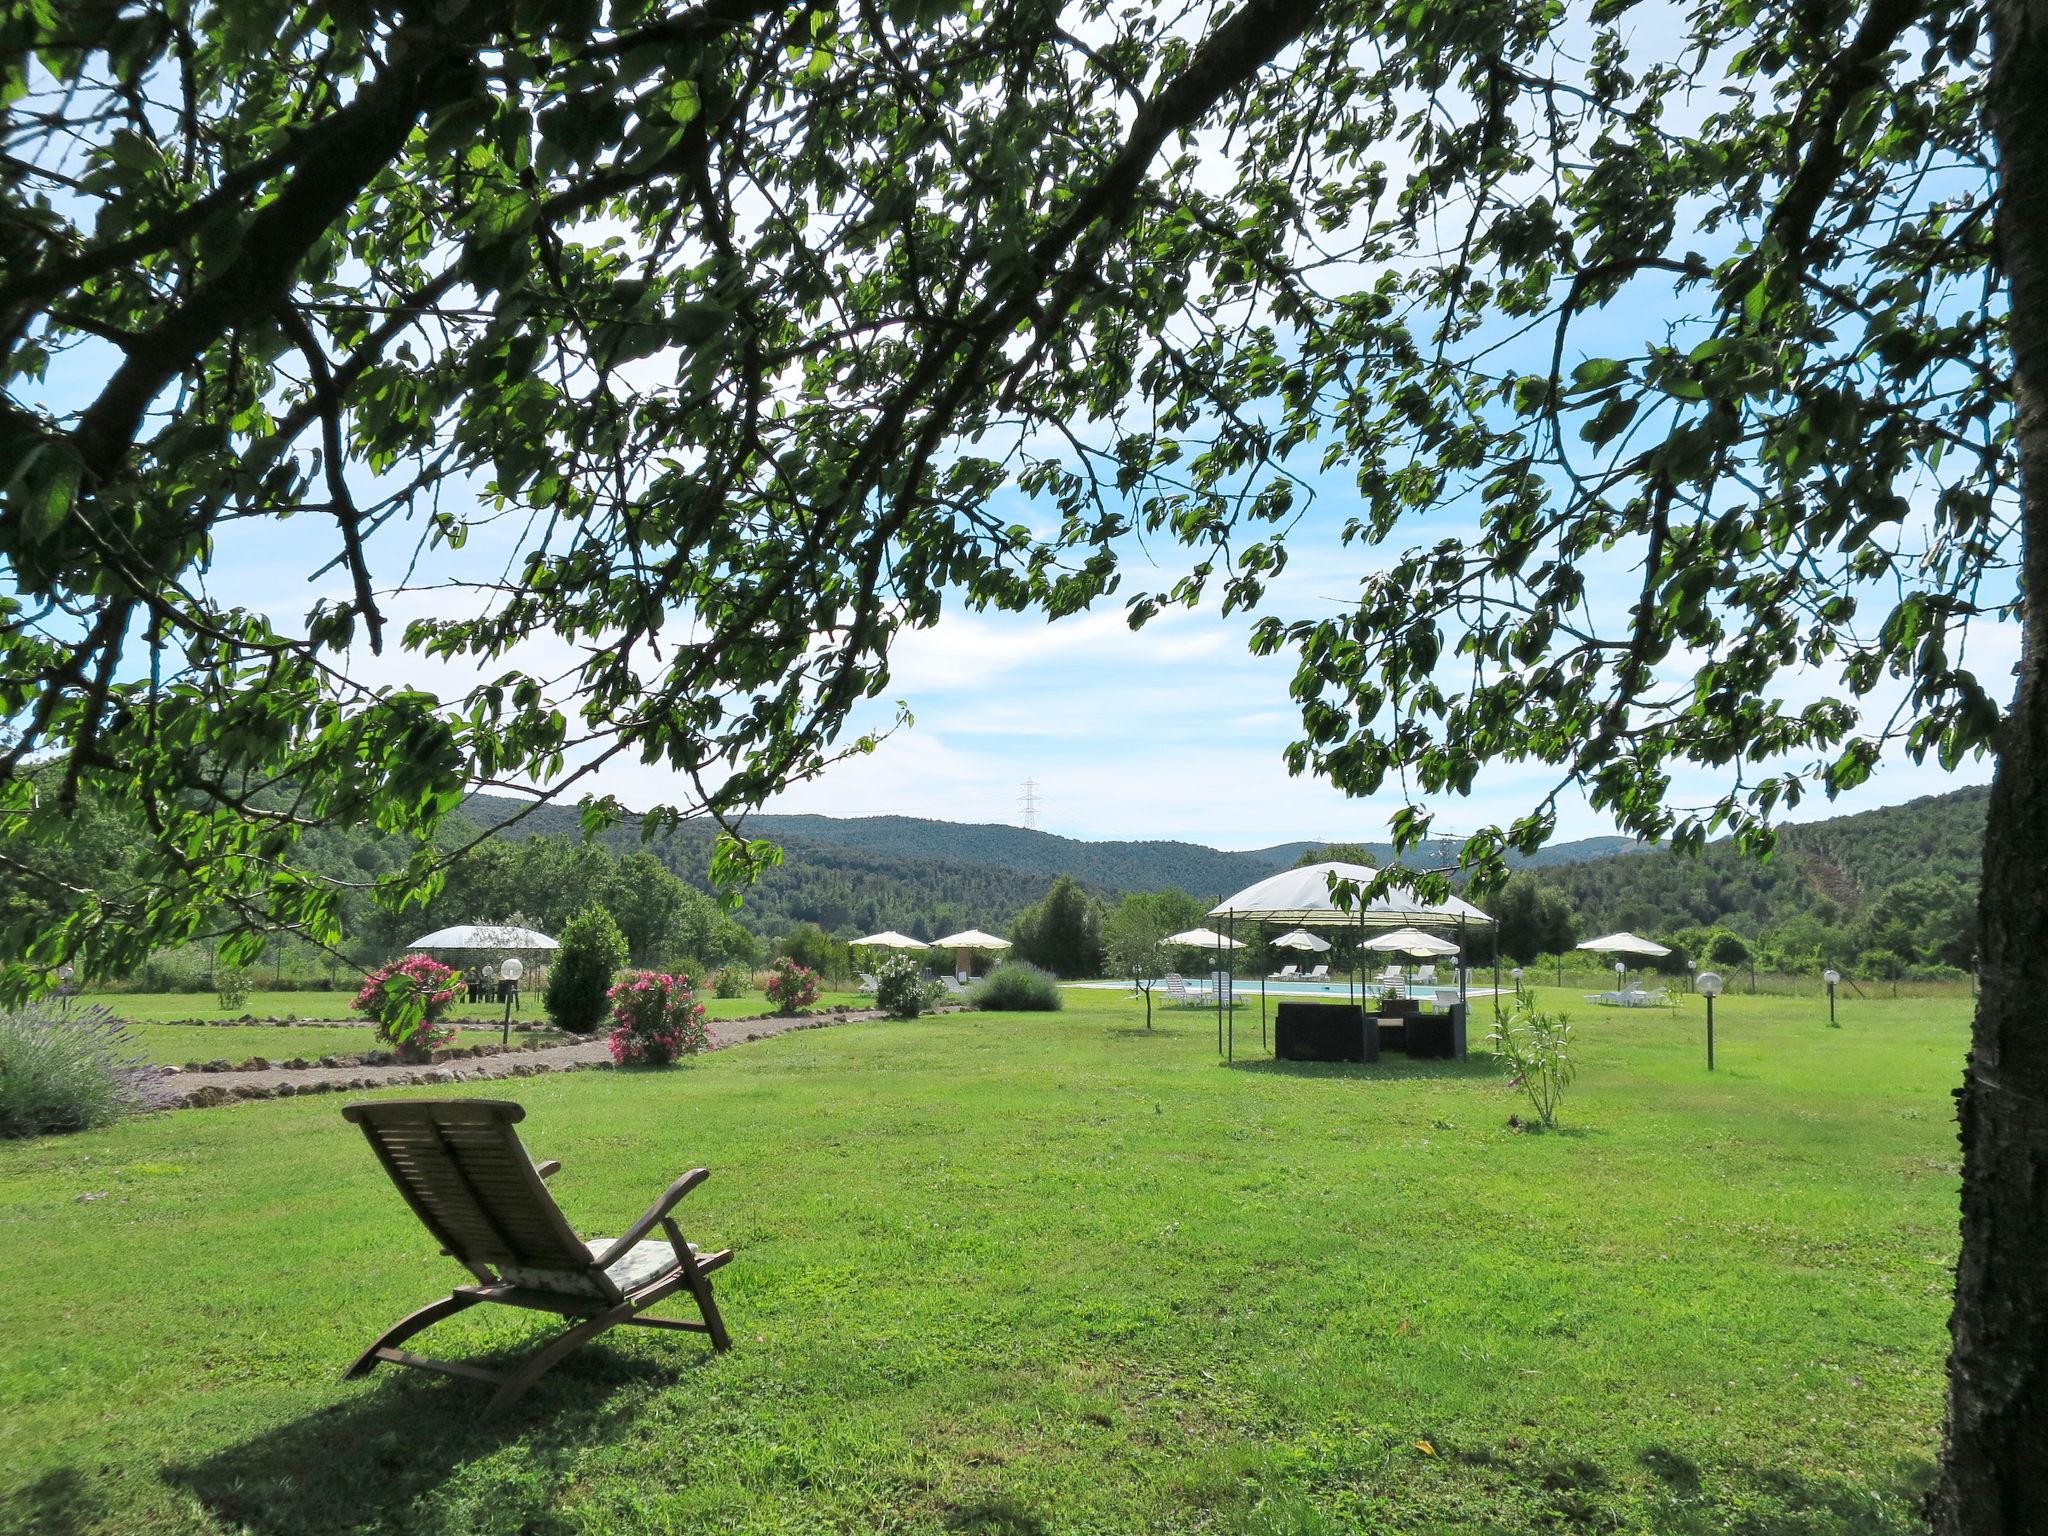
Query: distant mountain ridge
[[922, 876]]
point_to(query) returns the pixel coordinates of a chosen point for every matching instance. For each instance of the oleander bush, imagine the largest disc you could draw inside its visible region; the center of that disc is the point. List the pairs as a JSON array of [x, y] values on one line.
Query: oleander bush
[[792, 987], [732, 981], [903, 989], [1536, 1049], [407, 1001], [231, 986], [655, 1018], [65, 1072], [1018, 986]]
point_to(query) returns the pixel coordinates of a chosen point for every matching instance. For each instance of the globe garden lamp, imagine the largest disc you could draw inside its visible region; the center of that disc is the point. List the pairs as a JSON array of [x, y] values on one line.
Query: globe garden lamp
[[64, 974], [508, 980], [1710, 985], [1832, 977], [1516, 977]]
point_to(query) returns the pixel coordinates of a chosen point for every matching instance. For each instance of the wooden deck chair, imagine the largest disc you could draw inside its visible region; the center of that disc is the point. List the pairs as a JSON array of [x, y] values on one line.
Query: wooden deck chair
[[463, 1170]]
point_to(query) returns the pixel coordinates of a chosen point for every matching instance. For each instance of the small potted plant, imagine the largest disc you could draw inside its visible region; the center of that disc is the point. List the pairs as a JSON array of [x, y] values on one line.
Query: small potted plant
[[407, 1002], [792, 987], [655, 1018]]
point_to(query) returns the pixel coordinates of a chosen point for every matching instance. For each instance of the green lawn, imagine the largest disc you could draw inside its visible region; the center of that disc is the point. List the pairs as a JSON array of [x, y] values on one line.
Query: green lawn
[[1047, 1274], [177, 1044], [152, 1007]]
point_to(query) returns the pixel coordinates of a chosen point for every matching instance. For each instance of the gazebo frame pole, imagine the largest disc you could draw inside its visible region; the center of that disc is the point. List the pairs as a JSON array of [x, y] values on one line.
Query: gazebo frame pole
[[1462, 990], [1229, 948]]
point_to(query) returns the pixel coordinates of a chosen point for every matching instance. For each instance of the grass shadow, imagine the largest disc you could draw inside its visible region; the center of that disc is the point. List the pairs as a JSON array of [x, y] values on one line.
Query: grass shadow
[[57, 1504], [1739, 1499], [1002, 1516], [1392, 1066], [376, 1461]]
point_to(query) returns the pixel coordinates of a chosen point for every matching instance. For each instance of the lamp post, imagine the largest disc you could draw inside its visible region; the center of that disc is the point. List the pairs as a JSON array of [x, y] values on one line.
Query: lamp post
[[1516, 977], [1621, 975], [1709, 985], [1831, 977], [1693, 967], [508, 983], [64, 974]]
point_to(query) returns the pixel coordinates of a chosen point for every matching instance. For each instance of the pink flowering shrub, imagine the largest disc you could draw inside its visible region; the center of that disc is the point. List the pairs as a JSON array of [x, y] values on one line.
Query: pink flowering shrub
[[791, 987], [655, 1019], [406, 1002]]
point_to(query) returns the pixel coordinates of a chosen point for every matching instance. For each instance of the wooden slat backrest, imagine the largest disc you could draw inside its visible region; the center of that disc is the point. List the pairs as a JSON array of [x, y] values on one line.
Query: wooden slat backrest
[[462, 1168]]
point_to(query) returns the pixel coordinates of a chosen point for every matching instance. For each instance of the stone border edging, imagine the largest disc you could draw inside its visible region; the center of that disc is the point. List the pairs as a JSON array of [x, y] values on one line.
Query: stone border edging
[[578, 1056], [377, 1058]]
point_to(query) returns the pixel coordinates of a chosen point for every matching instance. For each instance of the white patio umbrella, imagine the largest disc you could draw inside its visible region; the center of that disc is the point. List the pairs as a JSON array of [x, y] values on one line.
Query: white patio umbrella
[[484, 936], [1301, 938], [1202, 938], [888, 938], [1206, 938], [1624, 944], [966, 940], [1411, 941]]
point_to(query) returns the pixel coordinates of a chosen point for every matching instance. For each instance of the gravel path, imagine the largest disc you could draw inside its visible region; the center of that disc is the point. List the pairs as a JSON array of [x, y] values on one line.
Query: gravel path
[[200, 1090]]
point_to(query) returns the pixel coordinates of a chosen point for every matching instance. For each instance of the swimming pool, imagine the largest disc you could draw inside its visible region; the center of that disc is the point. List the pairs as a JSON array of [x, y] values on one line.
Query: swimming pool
[[1249, 986]]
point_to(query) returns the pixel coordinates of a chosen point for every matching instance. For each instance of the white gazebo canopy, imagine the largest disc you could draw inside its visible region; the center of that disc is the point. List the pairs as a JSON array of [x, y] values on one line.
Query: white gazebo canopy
[[969, 938], [1301, 938], [1302, 896], [484, 936], [1205, 938], [888, 938], [1624, 944], [1411, 941]]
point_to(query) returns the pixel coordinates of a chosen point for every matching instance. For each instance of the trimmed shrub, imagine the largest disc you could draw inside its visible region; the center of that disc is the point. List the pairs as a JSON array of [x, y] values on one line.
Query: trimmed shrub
[[592, 951], [407, 1001], [655, 1019], [60, 1073], [903, 989], [792, 987], [1018, 987], [732, 981]]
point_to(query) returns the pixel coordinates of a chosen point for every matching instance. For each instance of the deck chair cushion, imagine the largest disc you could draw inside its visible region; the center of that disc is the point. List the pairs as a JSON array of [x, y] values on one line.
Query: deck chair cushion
[[642, 1264]]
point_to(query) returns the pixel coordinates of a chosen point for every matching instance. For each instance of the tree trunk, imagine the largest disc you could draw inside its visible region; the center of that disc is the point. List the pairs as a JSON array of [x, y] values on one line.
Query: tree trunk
[[1994, 1472]]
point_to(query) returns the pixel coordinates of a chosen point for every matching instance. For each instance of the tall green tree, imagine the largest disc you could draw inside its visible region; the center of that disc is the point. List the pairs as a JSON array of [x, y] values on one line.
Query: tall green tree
[[592, 952], [1531, 918], [1062, 931], [738, 315]]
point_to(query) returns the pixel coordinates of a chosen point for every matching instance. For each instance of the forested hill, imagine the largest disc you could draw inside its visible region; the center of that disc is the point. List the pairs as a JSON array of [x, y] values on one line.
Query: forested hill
[[1829, 870], [923, 877]]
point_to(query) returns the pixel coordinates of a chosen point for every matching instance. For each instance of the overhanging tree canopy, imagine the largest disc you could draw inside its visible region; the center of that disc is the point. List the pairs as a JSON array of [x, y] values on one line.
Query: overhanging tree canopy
[[735, 318]]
